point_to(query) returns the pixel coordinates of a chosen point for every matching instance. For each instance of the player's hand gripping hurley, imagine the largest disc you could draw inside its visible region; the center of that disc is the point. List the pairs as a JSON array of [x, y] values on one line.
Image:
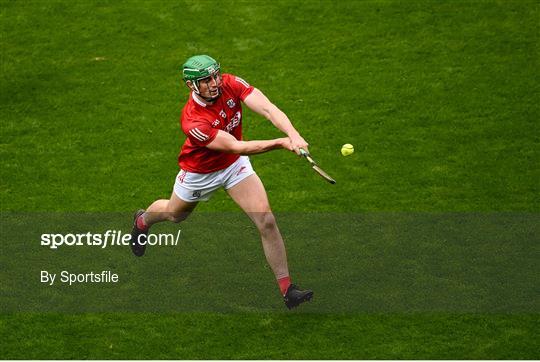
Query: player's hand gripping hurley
[[317, 169]]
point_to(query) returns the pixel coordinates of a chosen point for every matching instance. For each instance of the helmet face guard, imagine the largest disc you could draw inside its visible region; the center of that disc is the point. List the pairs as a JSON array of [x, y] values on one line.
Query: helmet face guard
[[215, 76], [201, 67]]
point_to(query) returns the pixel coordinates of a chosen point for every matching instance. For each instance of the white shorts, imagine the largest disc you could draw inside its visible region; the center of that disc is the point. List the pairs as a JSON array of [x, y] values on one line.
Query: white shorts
[[193, 187]]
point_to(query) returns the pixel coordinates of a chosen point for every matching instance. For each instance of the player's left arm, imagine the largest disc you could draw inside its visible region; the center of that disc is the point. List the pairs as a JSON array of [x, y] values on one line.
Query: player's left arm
[[259, 103]]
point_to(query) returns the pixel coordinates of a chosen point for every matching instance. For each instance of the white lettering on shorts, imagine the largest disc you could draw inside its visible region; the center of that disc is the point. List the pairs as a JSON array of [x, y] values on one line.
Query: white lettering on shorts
[[181, 176], [242, 169]]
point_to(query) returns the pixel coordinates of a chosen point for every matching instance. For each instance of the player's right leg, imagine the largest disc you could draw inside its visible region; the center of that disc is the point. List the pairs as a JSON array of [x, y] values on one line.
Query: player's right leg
[[189, 189], [175, 209]]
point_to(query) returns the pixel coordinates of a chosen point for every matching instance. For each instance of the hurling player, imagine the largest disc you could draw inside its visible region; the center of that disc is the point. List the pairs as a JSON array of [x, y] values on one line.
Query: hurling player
[[214, 156]]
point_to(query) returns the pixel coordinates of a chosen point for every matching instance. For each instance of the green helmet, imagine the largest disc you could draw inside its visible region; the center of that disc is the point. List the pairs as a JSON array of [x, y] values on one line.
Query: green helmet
[[199, 67]]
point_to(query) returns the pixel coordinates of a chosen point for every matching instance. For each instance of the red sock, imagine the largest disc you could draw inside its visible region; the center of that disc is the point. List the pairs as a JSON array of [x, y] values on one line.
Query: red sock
[[141, 224], [284, 284]]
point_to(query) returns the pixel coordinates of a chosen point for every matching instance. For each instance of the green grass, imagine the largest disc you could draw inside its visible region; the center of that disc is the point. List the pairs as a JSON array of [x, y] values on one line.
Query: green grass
[[440, 99], [274, 336]]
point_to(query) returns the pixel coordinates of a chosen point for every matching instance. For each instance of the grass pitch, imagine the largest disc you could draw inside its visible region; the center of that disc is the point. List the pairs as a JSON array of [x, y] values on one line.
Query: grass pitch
[[439, 98]]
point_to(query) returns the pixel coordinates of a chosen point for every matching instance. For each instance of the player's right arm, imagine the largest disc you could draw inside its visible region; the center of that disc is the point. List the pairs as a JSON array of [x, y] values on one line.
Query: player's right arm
[[225, 142]]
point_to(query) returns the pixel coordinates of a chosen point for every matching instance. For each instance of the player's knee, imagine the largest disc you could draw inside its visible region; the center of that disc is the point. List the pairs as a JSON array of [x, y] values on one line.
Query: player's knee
[[177, 217], [266, 221]]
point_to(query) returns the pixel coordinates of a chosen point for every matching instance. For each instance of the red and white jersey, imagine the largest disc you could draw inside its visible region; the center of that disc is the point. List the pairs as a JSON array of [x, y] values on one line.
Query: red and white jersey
[[200, 122]]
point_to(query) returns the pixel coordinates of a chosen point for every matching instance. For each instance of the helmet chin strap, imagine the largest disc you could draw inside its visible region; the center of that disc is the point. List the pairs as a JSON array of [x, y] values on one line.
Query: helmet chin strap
[[208, 99]]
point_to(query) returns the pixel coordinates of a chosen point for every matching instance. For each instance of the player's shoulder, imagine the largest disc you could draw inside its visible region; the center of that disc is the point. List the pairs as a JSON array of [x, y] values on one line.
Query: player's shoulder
[[227, 77], [234, 80]]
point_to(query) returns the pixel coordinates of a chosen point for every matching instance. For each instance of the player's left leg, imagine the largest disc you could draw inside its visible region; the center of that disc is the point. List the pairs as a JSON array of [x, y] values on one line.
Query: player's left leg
[[250, 195]]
